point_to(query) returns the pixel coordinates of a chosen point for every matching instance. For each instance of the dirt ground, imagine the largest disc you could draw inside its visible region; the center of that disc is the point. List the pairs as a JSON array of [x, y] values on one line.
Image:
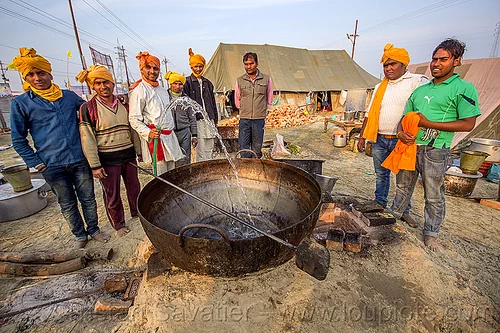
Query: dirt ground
[[396, 286]]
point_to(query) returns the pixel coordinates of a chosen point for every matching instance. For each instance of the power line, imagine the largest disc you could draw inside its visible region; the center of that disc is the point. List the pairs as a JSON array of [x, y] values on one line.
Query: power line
[[126, 26], [116, 26], [27, 19], [410, 15], [57, 20]]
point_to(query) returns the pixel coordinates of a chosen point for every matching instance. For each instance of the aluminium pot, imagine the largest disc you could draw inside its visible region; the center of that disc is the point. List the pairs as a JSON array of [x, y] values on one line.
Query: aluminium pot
[[16, 205], [489, 146], [282, 199], [349, 115]]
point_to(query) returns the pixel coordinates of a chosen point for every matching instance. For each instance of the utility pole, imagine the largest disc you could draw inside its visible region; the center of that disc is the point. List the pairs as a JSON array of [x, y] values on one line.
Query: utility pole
[[126, 69], [3, 69], [165, 63], [352, 38], [494, 49], [84, 65]]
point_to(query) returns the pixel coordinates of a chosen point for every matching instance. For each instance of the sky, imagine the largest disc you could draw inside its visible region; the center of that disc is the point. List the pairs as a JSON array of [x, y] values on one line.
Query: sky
[[168, 29]]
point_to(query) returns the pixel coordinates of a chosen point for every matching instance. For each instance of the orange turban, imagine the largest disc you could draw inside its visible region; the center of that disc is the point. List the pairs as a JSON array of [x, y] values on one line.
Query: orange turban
[[27, 60], [94, 72], [395, 53], [145, 58], [195, 59]]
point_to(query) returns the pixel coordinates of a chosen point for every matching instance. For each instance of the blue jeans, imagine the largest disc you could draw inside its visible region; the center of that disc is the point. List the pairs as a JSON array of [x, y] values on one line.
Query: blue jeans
[[380, 151], [251, 136], [431, 164], [70, 182]]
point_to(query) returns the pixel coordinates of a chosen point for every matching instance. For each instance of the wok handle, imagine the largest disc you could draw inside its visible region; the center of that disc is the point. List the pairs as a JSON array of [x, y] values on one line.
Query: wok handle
[[206, 226], [248, 151]]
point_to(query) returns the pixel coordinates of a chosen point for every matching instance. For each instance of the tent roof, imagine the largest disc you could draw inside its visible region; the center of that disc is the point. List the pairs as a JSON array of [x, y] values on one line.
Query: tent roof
[[291, 69], [484, 74]]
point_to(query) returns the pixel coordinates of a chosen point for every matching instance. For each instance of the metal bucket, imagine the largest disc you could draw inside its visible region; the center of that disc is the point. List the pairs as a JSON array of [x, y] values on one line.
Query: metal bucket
[[18, 176], [470, 161], [349, 115], [489, 146]]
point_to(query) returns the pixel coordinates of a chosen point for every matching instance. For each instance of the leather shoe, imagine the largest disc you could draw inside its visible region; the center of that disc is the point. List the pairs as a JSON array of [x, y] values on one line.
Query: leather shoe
[[410, 221]]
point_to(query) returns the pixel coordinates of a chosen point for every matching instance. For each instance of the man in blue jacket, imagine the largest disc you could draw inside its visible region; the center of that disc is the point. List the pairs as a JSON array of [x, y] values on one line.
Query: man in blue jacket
[[49, 114]]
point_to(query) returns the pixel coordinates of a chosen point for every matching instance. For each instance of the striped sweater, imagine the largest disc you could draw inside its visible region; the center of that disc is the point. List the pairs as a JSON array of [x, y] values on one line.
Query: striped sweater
[[105, 133]]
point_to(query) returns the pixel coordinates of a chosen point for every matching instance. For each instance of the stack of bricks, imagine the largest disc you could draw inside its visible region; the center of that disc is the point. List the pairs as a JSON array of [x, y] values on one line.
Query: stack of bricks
[[341, 229]]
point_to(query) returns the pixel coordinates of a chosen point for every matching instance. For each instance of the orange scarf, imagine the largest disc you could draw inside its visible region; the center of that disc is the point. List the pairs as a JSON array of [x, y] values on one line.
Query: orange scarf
[[404, 157], [52, 94], [136, 83], [371, 130]]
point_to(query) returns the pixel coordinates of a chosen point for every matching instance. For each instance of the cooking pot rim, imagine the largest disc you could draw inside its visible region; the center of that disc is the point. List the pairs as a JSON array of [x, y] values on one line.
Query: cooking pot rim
[[282, 164]]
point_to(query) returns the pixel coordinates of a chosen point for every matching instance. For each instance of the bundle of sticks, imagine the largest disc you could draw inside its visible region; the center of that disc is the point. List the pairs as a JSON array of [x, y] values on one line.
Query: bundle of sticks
[[233, 121], [286, 115]]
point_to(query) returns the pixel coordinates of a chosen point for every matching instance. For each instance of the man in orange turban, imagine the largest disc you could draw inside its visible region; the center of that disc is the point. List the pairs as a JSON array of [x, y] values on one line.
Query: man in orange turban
[[200, 89], [384, 114], [150, 118], [109, 145], [48, 114]]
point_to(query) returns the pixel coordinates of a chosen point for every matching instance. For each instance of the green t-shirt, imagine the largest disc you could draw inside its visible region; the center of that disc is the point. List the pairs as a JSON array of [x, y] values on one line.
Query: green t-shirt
[[447, 101]]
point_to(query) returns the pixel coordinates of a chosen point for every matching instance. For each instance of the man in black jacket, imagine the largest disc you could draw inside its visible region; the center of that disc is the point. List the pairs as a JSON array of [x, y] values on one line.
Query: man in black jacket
[[201, 90]]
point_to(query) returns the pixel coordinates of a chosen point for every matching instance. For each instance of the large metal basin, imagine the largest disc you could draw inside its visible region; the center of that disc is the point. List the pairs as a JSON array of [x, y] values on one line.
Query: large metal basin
[[281, 198]]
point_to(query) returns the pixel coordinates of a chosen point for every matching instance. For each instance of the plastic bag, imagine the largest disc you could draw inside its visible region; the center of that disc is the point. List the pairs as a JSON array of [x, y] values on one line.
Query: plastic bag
[[279, 149], [494, 174]]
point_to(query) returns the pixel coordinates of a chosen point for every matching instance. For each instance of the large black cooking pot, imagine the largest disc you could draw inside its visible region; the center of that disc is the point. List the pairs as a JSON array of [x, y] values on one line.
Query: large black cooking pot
[[282, 199]]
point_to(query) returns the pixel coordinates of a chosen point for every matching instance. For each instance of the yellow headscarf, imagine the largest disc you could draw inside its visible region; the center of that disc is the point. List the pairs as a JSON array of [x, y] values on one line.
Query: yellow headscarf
[[25, 62], [94, 72], [390, 52], [395, 53], [196, 59], [174, 77]]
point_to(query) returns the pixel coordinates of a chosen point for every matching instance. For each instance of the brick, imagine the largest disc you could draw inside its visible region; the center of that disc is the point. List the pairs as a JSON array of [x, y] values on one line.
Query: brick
[[335, 239], [377, 219], [327, 213], [117, 283], [320, 237], [366, 207], [352, 242], [110, 305]]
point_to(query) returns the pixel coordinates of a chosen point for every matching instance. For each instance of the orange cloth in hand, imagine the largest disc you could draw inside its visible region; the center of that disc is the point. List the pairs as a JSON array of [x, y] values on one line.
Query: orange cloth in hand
[[404, 157]]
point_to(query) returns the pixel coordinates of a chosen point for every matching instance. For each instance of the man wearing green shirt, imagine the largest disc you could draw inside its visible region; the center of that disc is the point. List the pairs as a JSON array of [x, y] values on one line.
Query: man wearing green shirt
[[447, 104]]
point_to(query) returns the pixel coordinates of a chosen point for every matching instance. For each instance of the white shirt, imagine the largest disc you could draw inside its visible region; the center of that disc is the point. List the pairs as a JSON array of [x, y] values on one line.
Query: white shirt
[[394, 101], [148, 105]]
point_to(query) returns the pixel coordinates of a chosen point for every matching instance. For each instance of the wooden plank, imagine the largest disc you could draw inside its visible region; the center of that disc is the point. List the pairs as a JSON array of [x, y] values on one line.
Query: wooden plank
[[490, 203]]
